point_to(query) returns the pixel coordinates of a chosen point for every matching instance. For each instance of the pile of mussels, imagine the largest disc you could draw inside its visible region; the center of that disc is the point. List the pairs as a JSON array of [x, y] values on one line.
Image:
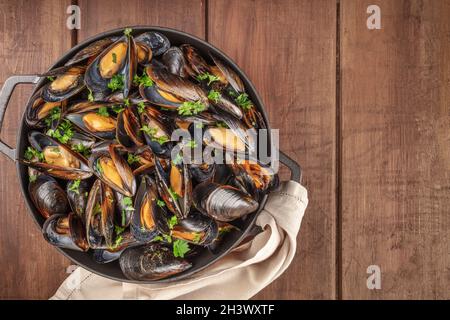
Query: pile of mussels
[[101, 160]]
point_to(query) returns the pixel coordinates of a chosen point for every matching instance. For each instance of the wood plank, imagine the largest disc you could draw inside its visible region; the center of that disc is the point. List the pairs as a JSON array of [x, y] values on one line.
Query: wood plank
[[32, 37], [395, 168], [288, 49], [102, 15]]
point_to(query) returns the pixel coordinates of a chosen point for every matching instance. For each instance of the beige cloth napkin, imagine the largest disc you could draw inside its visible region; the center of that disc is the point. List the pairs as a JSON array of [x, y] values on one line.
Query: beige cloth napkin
[[240, 275]]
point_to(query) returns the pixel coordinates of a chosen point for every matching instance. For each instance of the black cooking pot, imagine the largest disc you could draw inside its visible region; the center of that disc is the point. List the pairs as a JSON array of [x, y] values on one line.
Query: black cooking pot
[[112, 270]]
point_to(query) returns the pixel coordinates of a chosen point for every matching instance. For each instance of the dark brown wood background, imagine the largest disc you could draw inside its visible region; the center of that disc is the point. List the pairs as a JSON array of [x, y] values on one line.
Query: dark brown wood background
[[365, 112]]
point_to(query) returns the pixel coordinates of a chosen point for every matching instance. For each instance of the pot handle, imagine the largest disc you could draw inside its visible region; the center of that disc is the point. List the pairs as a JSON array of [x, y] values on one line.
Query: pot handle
[[5, 95], [294, 167]]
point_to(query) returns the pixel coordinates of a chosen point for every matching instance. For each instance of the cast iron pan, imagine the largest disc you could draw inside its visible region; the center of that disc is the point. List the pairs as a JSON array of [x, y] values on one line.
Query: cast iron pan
[[112, 270]]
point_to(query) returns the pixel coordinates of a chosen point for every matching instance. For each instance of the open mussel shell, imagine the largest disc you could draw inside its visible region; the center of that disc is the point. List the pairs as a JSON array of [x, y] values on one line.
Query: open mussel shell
[[144, 53], [224, 138], [118, 59], [92, 123], [128, 132], [103, 256], [48, 196], [113, 169], [175, 186], [149, 219], [231, 77], [78, 197], [151, 262], [64, 86], [159, 139], [38, 109], [100, 216], [203, 172], [195, 61], [83, 139], [59, 160], [225, 104], [159, 97], [175, 62], [145, 162], [65, 232], [156, 41], [123, 213], [196, 228], [90, 51], [223, 202]]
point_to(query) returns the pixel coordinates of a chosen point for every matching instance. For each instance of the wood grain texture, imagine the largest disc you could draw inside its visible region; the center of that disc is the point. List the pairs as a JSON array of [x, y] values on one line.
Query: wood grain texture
[[395, 159], [104, 15], [33, 35], [287, 48]]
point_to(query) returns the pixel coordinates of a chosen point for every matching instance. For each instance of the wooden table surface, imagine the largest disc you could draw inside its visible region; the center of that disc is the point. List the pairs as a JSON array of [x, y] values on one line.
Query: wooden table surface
[[365, 112]]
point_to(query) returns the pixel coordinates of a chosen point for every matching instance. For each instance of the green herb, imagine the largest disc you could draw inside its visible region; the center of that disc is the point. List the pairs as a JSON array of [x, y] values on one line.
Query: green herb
[[119, 230], [127, 202], [126, 101], [127, 31], [98, 166], [214, 95], [90, 96], [192, 144], [141, 107], [117, 109], [180, 248], [75, 186], [207, 76], [232, 93], [116, 82], [103, 111], [197, 237], [152, 132], [199, 125], [172, 222], [32, 178], [81, 148], [178, 159], [167, 238], [114, 57], [221, 124], [117, 242], [188, 108], [51, 78], [63, 133], [97, 209], [224, 230], [55, 114], [145, 80], [157, 238], [132, 158], [160, 203], [243, 101], [31, 153]]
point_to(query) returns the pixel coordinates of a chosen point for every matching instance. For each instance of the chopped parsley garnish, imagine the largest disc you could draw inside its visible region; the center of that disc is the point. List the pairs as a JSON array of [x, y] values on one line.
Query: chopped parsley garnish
[[75, 186], [199, 125], [172, 222], [55, 114], [145, 80], [30, 153], [178, 159], [221, 124], [103, 111], [152, 132], [192, 144], [119, 230], [188, 108], [116, 82], [114, 57], [98, 166], [51, 78], [180, 248], [132, 158], [97, 209], [126, 102], [141, 107], [197, 237], [207, 76], [63, 133], [160, 203], [117, 242], [117, 109], [90, 96], [128, 203], [214, 96], [81, 148], [173, 194], [32, 178], [243, 101], [127, 31]]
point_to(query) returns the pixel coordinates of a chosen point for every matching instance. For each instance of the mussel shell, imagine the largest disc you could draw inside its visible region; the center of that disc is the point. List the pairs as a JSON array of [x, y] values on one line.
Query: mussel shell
[[72, 237], [152, 95], [38, 109], [144, 53], [78, 199], [145, 205], [223, 202], [196, 224], [103, 256], [156, 41], [233, 79], [90, 51], [48, 196], [203, 172], [160, 150], [128, 132], [80, 121], [122, 216], [226, 105], [195, 61], [174, 60], [51, 94], [151, 262]]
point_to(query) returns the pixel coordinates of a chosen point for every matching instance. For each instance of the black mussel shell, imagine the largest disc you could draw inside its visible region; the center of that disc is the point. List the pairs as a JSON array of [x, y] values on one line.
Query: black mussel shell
[[64, 86], [65, 232], [156, 41], [94, 124], [196, 228], [90, 51], [77, 192], [48, 196]]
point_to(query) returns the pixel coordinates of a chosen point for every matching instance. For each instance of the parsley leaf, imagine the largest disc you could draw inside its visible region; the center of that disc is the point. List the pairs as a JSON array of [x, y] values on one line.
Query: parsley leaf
[[126, 101], [119, 230], [132, 158], [192, 144], [214, 96], [173, 194], [63, 133], [145, 80], [207, 76], [32, 178], [117, 242], [172, 222], [243, 101], [55, 114], [116, 82], [75, 186], [30, 153], [127, 31], [117, 109], [90, 96], [160, 203], [152, 133], [188, 108], [103, 111], [180, 248], [81, 148], [141, 107]]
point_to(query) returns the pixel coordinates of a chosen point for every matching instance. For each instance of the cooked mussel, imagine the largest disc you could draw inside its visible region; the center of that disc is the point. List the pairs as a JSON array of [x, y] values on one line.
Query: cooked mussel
[[156, 41], [150, 217], [142, 161], [38, 109], [151, 262], [175, 62], [128, 131], [57, 159], [89, 52], [196, 63], [102, 126], [156, 133], [223, 202], [65, 232], [77, 192], [113, 169], [64, 86], [48, 196], [124, 240], [196, 228]]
